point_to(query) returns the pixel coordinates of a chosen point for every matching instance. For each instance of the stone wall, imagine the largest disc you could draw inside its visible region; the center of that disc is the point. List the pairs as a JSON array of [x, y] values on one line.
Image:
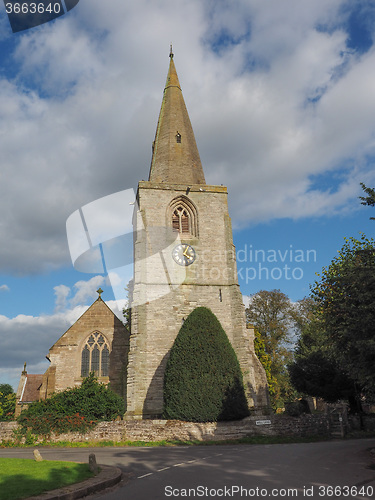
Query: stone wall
[[159, 430], [6, 430]]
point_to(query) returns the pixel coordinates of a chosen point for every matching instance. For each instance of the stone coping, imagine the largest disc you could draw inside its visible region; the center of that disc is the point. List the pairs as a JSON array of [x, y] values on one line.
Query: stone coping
[[107, 477]]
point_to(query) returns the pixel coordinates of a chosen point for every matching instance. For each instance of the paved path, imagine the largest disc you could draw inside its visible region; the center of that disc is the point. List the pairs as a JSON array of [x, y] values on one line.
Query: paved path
[[238, 471]]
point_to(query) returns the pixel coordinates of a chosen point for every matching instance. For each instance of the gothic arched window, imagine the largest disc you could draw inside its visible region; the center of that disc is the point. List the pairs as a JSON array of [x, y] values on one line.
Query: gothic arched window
[[95, 356], [184, 216], [181, 220]]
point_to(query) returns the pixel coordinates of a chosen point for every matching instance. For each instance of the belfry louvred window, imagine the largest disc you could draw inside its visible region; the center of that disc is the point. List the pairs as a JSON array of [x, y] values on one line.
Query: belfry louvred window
[[95, 356], [184, 216], [181, 220]]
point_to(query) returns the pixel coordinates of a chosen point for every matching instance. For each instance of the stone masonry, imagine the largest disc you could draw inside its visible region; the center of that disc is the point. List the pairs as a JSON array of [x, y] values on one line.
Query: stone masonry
[[66, 354], [165, 293]]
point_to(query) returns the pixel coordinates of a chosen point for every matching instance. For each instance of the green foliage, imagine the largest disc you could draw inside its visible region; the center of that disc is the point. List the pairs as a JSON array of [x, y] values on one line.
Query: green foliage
[[315, 370], [203, 380], [335, 352], [345, 306], [75, 409], [6, 389], [126, 311], [275, 317], [368, 200], [7, 402], [297, 408], [265, 360]]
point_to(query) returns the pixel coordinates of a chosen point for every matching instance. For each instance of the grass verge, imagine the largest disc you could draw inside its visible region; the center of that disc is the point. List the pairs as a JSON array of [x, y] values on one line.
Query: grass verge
[[20, 478]]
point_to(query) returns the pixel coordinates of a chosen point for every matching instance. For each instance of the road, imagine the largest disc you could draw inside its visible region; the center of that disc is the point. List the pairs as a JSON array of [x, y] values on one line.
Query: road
[[310, 470]]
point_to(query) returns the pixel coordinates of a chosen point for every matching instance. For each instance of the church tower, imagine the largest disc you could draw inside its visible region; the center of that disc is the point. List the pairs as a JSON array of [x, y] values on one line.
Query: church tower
[[184, 258]]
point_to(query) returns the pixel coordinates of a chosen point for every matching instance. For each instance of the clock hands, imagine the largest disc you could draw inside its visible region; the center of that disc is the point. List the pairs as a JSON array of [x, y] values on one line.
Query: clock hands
[[184, 254]]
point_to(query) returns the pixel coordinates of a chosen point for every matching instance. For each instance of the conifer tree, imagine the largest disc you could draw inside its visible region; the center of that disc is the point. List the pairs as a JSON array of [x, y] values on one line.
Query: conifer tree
[[203, 380]]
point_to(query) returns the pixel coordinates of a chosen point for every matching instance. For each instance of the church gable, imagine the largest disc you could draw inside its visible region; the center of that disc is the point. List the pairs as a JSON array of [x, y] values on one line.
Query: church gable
[[97, 316], [97, 342]]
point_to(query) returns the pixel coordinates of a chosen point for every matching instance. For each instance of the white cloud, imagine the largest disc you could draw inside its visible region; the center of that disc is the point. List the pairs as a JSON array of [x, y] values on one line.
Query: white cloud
[[61, 292], [282, 100], [4, 288], [85, 290], [27, 338], [246, 300]]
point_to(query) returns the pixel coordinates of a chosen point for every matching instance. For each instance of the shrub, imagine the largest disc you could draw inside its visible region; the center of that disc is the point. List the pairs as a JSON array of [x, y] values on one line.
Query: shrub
[[75, 409], [203, 380], [297, 408], [7, 402]]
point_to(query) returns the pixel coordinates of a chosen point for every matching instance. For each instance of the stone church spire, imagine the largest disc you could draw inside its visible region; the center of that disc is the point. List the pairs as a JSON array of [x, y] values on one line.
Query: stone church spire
[[175, 157]]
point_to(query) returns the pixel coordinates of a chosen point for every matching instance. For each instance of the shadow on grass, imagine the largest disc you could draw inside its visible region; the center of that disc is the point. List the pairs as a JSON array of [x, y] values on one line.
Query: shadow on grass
[[22, 485]]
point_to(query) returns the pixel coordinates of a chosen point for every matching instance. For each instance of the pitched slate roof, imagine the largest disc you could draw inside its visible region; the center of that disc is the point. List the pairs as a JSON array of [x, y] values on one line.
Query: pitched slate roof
[[30, 391]]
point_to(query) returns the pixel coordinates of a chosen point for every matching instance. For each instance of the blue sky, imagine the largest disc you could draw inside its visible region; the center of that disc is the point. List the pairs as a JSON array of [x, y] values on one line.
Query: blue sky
[[281, 96]]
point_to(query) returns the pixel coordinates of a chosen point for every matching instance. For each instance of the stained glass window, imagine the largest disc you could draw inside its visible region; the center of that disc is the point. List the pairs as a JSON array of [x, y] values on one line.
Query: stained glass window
[[95, 360], [95, 356], [85, 365], [105, 361]]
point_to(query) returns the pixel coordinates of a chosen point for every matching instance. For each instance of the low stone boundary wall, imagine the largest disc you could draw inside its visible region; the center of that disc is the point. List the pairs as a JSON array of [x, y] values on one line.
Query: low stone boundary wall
[[7, 431], [159, 430]]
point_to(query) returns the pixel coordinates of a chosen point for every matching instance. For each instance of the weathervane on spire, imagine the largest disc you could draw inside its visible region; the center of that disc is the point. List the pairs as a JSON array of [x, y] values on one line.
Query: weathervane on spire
[[171, 53]]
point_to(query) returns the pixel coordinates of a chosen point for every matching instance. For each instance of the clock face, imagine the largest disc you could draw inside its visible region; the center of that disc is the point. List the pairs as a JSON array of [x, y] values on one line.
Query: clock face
[[184, 254]]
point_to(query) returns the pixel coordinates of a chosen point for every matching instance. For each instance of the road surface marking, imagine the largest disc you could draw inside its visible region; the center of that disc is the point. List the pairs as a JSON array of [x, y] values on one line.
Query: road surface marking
[[179, 465]]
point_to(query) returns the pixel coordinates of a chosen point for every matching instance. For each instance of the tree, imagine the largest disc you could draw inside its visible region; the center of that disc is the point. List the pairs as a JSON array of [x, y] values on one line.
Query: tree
[[345, 308], [368, 200], [315, 370], [265, 360], [126, 311], [7, 402], [203, 380], [274, 317]]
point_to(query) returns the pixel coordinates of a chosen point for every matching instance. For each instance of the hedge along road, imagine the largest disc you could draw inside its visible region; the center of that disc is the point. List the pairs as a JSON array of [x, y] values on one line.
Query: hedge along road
[[314, 470]]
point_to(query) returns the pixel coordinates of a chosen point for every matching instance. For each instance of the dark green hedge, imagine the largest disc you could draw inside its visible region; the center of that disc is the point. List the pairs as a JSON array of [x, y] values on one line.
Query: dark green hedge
[[203, 380]]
